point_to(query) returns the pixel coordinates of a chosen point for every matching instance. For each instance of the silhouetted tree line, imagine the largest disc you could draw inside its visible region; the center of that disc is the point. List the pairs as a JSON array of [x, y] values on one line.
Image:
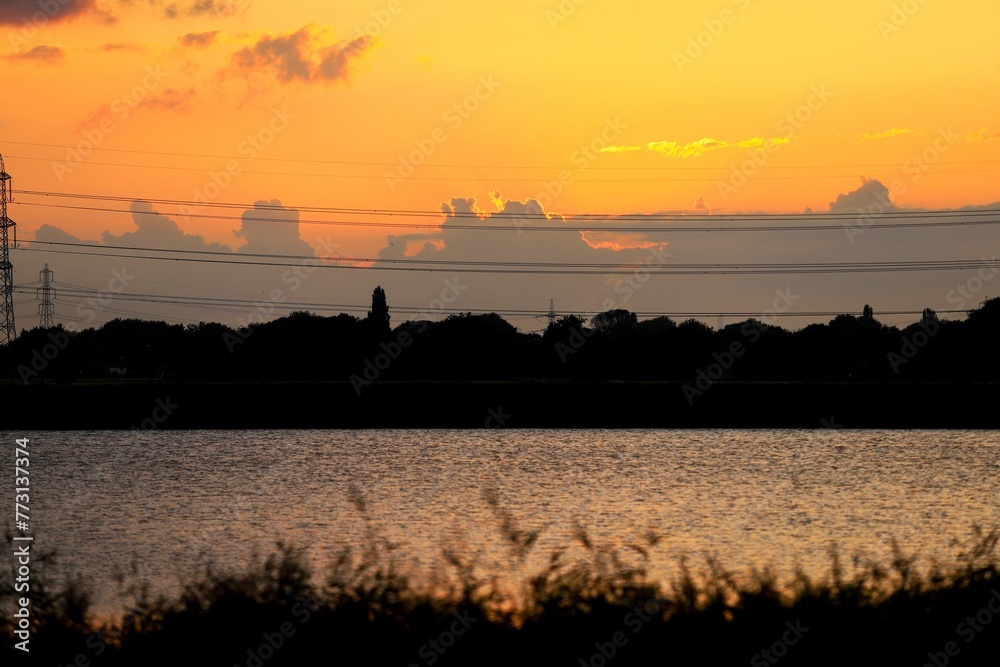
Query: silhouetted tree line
[[614, 345]]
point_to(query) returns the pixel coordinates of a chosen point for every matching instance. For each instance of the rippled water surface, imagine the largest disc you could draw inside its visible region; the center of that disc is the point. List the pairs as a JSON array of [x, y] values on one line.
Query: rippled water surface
[[169, 501]]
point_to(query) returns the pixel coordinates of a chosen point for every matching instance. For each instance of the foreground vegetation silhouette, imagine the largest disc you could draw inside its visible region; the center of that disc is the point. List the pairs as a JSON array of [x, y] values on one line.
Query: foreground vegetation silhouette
[[598, 608]]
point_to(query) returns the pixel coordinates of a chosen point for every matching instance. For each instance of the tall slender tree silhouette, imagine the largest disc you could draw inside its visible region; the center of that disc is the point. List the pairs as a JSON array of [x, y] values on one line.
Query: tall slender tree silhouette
[[378, 316]]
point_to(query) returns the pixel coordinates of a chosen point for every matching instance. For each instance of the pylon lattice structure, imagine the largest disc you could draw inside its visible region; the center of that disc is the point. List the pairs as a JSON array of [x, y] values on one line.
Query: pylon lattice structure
[[552, 312], [7, 329], [46, 293]]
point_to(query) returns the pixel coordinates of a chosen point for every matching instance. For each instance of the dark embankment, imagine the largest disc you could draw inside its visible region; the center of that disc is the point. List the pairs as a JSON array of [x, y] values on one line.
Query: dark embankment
[[515, 404], [598, 609]]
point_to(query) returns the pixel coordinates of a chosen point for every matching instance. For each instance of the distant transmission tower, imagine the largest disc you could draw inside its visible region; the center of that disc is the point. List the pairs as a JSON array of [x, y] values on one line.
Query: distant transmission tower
[[7, 329], [46, 293], [552, 312]]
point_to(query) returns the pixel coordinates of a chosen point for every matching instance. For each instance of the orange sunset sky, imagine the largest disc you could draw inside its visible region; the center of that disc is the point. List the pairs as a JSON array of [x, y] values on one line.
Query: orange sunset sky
[[638, 106]]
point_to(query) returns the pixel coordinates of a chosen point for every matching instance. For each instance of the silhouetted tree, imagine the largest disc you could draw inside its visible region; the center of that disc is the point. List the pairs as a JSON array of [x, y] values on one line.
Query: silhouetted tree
[[656, 326], [563, 325], [694, 327], [868, 313], [561, 342], [987, 315], [468, 346], [378, 316], [615, 323]]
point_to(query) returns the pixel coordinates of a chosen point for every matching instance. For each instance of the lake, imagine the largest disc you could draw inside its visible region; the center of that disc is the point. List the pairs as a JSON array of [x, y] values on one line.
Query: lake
[[166, 502]]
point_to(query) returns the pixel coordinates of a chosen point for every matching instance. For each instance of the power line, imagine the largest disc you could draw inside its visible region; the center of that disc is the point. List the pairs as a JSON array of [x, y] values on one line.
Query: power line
[[460, 166], [975, 221], [437, 213], [511, 267], [917, 219], [129, 313], [502, 179]]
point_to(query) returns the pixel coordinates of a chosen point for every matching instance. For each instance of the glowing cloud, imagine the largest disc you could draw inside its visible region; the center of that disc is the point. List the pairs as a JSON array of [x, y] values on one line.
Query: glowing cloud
[[621, 149], [699, 147], [887, 134], [982, 136]]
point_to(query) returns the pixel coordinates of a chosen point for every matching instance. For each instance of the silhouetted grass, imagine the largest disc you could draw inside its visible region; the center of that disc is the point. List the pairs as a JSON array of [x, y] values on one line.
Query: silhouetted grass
[[367, 610]]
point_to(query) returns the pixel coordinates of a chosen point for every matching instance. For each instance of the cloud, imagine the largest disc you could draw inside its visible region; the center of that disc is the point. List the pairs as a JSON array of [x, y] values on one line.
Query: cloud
[[693, 149], [216, 7], [118, 47], [42, 53], [205, 277], [699, 147], [621, 149], [270, 228], [49, 53], [155, 230], [171, 99], [53, 234], [982, 136], [464, 211], [870, 193], [176, 10], [198, 40], [300, 56], [886, 134], [17, 12]]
